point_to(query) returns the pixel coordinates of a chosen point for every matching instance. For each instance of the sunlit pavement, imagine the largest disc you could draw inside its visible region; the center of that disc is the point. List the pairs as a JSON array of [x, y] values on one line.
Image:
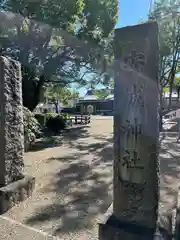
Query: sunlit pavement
[[74, 184], [169, 157], [12, 230], [169, 124]]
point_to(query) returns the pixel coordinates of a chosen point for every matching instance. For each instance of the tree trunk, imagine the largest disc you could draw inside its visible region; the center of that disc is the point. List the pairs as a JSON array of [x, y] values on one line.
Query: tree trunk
[[161, 110], [56, 106], [170, 95], [178, 93], [32, 91]]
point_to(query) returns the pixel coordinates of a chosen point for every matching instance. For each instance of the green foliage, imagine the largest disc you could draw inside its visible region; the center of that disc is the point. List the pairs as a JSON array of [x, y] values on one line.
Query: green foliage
[[62, 13], [95, 18], [101, 17], [54, 93], [101, 93], [43, 117], [50, 115], [40, 118], [56, 124], [66, 115], [177, 82], [45, 54], [31, 126], [166, 13], [176, 85]]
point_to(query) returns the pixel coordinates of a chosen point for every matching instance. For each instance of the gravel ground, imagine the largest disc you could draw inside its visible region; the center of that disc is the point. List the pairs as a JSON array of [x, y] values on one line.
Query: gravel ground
[[169, 171], [12, 230], [73, 182]]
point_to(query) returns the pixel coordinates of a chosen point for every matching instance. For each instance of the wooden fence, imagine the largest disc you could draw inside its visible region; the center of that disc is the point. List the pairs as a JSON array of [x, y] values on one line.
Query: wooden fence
[[82, 119], [78, 119]]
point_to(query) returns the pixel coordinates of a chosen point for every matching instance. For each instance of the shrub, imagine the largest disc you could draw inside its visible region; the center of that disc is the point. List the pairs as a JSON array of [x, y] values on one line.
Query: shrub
[[43, 117], [55, 124], [66, 115], [67, 118], [31, 126], [40, 118], [51, 115]]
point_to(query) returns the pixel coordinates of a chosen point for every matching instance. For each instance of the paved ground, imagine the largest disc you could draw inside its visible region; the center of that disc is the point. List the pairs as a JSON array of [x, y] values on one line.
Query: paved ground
[[12, 230], [74, 181], [169, 165], [169, 170]]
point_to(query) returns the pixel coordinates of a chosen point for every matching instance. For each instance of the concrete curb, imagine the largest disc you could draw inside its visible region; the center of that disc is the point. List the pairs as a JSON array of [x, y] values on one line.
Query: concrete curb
[[13, 230]]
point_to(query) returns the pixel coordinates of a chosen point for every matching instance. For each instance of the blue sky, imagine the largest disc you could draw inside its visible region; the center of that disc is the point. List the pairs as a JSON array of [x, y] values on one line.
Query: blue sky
[[131, 13]]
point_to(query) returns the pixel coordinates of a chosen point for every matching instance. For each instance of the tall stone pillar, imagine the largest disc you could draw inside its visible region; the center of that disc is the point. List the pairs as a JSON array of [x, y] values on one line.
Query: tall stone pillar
[[11, 121], [12, 180], [135, 201]]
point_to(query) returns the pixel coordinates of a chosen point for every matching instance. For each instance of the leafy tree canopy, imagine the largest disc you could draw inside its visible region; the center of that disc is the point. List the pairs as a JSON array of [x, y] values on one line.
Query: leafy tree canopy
[[101, 93], [167, 14], [49, 54], [54, 93]]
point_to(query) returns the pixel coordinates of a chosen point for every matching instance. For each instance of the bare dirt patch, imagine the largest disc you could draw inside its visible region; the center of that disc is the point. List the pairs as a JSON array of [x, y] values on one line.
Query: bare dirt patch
[[73, 182]]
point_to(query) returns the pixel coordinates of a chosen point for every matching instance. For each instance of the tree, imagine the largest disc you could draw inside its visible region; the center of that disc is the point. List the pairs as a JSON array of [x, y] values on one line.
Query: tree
[[101, 93], [47, 53], [167, 14], [56, 94], [177, 86]]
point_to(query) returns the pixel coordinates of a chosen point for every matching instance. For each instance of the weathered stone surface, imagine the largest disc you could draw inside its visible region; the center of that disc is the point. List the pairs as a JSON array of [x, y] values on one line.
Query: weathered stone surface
[[137, 46], [136, 166], [136, 180], [15, 192], [109, 229], [14, 187], [109, 232], [136, 127], [11, 122]]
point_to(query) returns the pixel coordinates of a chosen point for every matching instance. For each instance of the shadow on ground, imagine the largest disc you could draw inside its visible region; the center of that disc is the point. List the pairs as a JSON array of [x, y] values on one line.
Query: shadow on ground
[[169, 172], [84, 184], [71, 134]]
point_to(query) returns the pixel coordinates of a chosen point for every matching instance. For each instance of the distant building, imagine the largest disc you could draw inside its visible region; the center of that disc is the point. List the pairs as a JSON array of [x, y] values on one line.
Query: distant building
[[92, 104]]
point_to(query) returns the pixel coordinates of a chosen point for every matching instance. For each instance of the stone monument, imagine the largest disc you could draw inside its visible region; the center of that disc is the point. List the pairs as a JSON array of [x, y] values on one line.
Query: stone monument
[[14, 186], [135, 203]]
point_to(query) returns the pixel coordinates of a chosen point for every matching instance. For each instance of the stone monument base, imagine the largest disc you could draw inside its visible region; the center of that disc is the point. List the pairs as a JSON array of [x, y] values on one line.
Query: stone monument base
[[111, 228], [15, 192]]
